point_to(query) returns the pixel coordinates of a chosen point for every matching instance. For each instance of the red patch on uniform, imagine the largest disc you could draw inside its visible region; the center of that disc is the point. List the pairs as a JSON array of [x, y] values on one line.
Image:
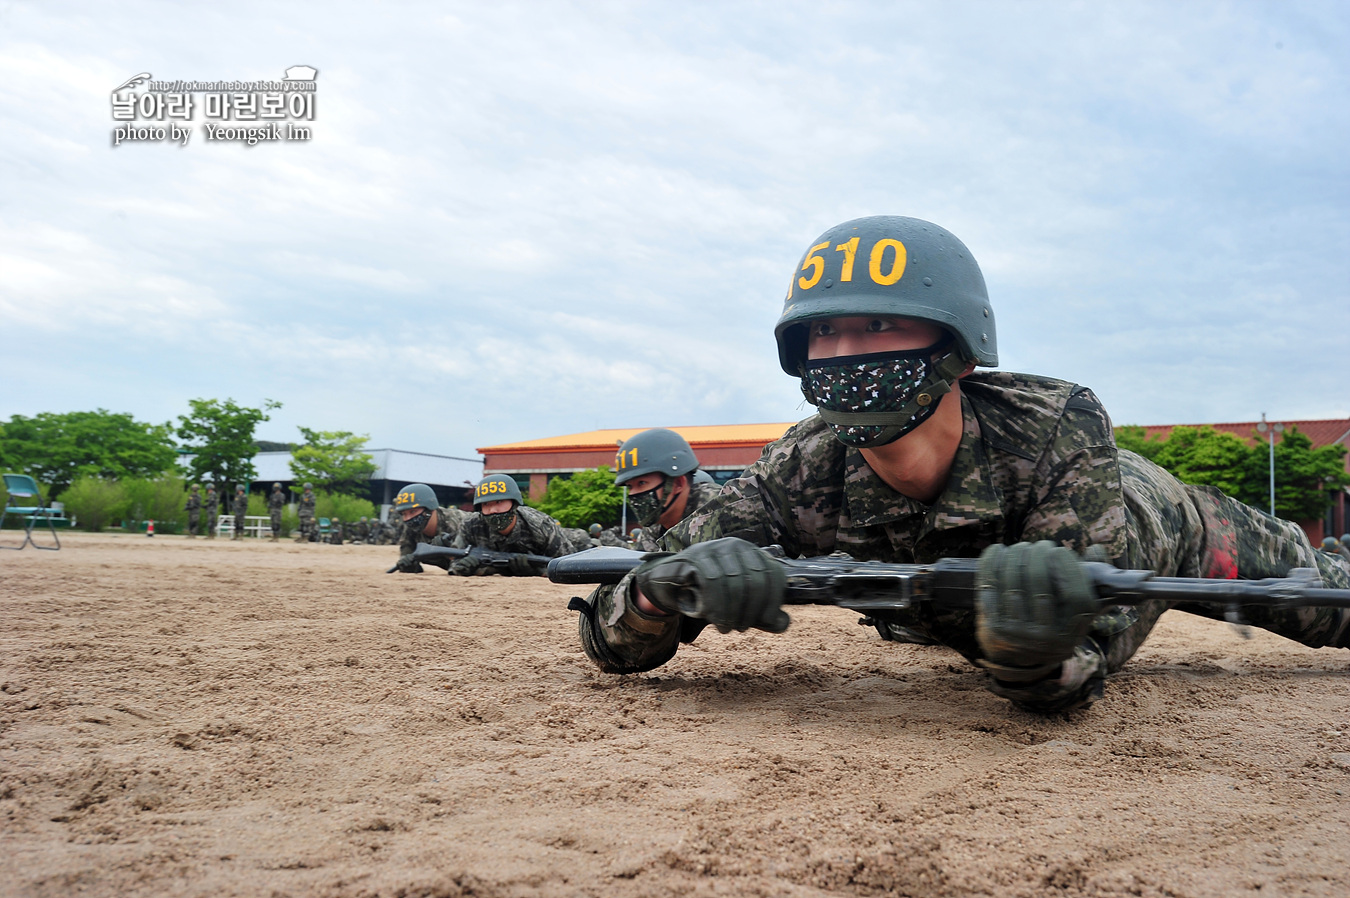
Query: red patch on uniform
[[1219, 557]]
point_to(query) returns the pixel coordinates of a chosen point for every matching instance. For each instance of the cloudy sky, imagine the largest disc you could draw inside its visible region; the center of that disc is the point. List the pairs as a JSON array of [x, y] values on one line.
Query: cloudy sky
[[516, 220]]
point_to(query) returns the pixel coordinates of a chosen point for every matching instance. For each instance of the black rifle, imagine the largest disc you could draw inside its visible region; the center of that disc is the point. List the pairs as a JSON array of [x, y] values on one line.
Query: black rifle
[[874, 586], [426, 552]]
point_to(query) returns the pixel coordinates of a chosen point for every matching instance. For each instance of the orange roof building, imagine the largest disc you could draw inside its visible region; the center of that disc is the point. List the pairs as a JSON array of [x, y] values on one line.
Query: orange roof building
[[726, 448]]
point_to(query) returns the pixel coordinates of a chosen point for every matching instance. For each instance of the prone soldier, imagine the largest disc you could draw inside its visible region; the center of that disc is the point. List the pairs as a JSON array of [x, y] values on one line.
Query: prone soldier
[[658, 468], [334, 532], [914, 457], [503, 523], [607, 536], [424, 520], [240, 509], [275, 503], [194, 510]]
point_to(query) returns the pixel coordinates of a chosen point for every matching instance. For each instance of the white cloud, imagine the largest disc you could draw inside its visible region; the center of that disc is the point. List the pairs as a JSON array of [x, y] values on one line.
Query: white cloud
[[534, 218]]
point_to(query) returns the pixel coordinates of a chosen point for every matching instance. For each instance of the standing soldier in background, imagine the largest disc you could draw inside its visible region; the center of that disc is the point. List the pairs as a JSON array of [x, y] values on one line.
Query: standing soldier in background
[[424, 521], [504, 524], [307, 515], [240, 510], [194, 510], [212, 510], [275, 503]]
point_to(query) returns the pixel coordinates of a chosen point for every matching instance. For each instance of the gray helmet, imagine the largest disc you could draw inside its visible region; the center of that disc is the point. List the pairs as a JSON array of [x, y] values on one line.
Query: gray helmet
[[655, 451], [497, 486], [1329, 544], [195, 487], [309, 486], [239, 488], [703, 477], [889, 265], [594, 530], [276, 486], [1345, 540], [416, 494]]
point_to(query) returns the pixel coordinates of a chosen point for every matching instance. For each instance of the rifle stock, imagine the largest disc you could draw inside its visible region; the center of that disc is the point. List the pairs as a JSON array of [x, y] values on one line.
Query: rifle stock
[[872, 586]]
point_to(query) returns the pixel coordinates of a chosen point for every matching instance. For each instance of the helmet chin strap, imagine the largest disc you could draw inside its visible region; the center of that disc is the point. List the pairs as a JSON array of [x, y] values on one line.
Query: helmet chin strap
[[946, 371]]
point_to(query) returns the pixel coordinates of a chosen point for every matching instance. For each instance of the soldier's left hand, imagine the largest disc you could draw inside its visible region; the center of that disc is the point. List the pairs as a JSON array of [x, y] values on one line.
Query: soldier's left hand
[[408, 564], [1035, 603], [520, 566]]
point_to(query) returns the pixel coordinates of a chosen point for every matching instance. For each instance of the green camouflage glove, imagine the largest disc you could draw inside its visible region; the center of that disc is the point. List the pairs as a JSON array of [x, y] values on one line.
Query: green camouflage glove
[[408, 564], [519, 566], [465, 567], [1035, 604], [728, 582]]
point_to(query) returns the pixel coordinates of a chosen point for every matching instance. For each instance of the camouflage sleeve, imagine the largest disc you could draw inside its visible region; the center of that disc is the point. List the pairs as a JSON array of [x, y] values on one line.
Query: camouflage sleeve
[[1077, 498], [623, 640], [757, 506], [550, 540], [472, 532], [1079, 502]]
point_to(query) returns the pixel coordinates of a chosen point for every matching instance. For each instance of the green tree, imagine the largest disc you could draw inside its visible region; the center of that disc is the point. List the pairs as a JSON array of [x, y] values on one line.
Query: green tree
[[333, 460], [345, 508], [1206, 457], [1135, 438], [585, 498], [95, 502], [1304, 476], [220, 435], [59, 448], [162, 500]]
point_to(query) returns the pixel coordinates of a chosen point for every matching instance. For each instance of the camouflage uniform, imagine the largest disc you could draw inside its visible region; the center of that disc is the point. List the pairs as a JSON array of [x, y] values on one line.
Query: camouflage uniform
[[578, 539], [449, 522], [334, 532], [643, 643], [306, 513], [535, 533], [1037, 460], [194, 512], [275, 503], [613, 536], [240, 509], [212, 510]]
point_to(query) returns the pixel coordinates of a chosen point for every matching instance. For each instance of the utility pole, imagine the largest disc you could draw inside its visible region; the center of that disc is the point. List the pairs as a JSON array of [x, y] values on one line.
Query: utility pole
[[1271, 429]]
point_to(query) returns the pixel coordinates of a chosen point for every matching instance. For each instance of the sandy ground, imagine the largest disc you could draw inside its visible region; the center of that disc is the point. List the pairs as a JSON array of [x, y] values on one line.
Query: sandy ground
[[188, 718]]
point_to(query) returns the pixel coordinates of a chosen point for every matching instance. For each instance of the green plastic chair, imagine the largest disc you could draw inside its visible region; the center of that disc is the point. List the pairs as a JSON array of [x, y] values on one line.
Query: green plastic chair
[[324, 526], [21, 486]]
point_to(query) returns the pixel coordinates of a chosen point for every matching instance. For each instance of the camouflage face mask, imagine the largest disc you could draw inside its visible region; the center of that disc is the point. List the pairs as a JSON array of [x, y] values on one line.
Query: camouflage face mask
[[874, 399], [650, 505], [500, 522], [418, 522]]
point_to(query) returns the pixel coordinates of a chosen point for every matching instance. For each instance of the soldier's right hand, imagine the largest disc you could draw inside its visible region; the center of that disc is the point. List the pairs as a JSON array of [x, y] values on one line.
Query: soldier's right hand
[[408, 564], [464, 567], [728, 582]]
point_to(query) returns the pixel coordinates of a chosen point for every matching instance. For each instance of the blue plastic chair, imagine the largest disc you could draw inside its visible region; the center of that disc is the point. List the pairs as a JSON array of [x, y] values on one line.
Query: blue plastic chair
[[21, 486]]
